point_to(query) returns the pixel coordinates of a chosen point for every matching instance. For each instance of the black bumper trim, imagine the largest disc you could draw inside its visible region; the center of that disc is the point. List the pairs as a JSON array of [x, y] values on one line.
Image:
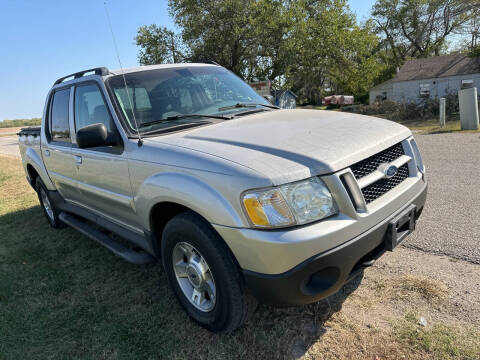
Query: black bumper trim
[[325, 273]]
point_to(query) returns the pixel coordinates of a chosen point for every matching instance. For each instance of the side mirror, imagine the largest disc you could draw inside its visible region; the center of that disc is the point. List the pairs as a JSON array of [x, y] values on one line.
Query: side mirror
[[92, 136], [270, 99]]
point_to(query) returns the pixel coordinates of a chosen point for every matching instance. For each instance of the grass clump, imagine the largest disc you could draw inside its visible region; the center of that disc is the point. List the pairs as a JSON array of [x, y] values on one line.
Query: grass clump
[[403, 287], [440, 341]]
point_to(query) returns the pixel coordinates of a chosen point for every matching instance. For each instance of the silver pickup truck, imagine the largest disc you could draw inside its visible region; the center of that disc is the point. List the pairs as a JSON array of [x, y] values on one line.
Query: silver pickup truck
[[240, 200]]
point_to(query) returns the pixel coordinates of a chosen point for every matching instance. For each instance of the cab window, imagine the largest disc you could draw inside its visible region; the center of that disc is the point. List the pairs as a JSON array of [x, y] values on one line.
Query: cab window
[[90, 107], [59, 126]]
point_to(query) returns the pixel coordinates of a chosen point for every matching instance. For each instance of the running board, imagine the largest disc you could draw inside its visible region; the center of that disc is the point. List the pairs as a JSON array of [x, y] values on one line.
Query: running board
[[117, 248]]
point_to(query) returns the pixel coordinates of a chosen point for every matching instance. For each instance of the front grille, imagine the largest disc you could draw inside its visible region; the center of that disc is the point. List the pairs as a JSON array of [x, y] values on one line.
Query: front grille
[[369, 165], [377, 189]]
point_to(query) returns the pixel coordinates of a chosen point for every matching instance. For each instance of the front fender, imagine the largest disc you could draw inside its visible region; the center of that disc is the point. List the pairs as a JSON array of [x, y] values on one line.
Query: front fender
[[34, 159], [188, 191]]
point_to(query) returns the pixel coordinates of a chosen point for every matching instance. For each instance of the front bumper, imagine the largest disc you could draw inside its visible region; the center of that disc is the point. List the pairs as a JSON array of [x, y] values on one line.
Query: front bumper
[[325, 273]]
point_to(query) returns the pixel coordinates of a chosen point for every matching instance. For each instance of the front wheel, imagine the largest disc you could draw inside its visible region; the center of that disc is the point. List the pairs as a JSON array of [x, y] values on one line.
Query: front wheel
[[204, 275]]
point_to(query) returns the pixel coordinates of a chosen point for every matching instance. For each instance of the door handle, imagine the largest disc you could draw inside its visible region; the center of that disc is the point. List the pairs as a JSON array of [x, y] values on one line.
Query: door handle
[[47, 152], [78, 160]]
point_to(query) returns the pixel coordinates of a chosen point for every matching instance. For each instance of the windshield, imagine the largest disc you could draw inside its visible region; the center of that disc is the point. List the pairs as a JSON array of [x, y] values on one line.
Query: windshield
[[165, 94]]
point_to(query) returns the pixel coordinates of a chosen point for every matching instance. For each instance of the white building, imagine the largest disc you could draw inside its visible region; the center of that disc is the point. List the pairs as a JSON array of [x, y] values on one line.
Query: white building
[[432, 77]]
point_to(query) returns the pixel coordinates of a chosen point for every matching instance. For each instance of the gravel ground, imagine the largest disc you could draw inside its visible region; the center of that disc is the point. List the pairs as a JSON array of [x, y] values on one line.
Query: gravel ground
[[450, 223], [9, 145]]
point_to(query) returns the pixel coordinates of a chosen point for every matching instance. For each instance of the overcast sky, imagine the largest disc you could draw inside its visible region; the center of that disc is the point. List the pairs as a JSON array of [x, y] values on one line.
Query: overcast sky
[[41, 41]]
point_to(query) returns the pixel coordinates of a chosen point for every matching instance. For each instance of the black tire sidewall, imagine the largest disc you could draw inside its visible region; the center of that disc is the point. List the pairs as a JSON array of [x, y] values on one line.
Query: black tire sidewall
[[185, 228], [55, 222]]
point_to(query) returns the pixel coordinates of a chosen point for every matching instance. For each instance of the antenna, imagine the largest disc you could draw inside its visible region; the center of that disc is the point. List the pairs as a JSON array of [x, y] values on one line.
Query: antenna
[[140, 141]]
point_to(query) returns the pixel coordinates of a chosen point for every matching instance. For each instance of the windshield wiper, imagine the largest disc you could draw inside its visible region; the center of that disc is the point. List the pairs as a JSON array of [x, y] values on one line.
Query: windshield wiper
[[175, 128], [184, 116], [246, 105]]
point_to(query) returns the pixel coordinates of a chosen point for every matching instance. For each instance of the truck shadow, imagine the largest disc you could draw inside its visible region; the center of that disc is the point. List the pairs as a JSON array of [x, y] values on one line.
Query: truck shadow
[[93, 300]]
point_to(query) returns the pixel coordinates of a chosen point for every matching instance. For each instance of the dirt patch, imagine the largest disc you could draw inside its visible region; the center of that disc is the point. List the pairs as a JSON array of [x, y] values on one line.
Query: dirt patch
[[12, 130], [381, 319]]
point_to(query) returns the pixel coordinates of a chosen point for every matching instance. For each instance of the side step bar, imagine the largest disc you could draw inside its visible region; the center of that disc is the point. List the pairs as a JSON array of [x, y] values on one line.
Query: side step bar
[[117, 248]]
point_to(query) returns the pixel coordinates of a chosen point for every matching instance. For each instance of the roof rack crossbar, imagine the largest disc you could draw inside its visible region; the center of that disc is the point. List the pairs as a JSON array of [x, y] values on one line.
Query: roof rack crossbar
[[102, 71]]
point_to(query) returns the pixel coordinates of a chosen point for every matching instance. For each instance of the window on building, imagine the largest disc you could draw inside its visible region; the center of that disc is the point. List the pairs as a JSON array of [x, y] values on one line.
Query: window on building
[[425, 90], [467, 84]]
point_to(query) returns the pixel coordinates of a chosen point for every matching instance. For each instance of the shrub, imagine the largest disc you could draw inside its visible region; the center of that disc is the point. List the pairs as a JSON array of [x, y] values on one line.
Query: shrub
[[427, 109]]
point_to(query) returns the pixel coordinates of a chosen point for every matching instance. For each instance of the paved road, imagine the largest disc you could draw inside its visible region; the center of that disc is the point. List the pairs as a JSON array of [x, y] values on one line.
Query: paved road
[[450, 223], [9, 145]]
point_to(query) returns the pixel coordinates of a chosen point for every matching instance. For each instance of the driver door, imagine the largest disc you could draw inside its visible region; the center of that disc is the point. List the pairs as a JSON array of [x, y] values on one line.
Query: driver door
[[103, 180]]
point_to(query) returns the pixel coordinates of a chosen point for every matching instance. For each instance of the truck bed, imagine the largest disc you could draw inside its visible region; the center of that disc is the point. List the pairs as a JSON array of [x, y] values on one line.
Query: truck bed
[[29, 131], [29, 138]]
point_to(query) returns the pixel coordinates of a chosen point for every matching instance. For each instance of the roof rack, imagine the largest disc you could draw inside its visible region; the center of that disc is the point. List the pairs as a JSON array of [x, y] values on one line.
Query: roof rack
[[211, 62], [102, 71], [204, 60]]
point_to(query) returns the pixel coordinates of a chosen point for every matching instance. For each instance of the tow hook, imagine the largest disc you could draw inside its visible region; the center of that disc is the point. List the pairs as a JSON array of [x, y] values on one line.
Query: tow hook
[[368, 263]]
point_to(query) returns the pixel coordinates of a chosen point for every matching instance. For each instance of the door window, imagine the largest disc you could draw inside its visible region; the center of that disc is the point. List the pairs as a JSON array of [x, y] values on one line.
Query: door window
[[90, 107], [59, 126]]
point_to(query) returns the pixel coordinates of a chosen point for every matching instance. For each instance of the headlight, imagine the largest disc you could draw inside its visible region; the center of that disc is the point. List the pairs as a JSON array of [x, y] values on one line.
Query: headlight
[[417, 156], [297, 203]]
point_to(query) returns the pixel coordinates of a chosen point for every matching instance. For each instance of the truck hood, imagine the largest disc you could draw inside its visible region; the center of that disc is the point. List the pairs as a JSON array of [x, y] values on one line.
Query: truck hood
[[289, 145]]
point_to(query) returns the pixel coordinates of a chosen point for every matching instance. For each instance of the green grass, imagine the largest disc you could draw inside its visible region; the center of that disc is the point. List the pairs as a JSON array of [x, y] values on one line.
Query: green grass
[[63, 296], [441, 340], [20, 122], [432, 126]]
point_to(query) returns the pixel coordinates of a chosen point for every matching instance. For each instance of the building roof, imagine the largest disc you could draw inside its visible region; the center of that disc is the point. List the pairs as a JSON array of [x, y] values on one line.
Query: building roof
[[438, 67], [382, 85], [280, 92]]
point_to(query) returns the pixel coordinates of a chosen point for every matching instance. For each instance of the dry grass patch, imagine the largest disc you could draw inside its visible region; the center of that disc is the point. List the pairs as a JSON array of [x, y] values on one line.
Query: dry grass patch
[[9, 130], [433, 291], [432, 126], [438, 341]]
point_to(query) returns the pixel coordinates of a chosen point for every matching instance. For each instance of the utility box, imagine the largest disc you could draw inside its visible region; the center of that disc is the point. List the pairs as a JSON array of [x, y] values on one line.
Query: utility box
[[443, 103], [468, 101]]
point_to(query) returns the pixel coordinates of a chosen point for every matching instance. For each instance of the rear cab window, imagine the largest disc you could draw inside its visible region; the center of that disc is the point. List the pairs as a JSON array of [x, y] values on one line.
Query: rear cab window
[[59, 122]]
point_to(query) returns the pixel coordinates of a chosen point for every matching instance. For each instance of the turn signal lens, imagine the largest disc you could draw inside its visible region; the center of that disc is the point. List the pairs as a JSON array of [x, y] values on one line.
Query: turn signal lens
[[267, 209], [255, 211]]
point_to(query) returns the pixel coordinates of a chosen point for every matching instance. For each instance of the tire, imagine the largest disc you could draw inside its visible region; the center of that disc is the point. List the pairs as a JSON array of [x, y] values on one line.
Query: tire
[[230, 305], [48, 206]]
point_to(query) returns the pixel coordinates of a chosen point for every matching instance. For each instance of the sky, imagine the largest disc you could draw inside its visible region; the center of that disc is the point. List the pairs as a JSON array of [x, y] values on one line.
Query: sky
[[42, 41]]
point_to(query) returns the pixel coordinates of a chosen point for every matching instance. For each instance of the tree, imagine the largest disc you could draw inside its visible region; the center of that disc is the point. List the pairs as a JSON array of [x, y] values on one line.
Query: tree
[[471, 32], [307, 45], [159, 45], [331, 52], [419, 28], [220, 31]]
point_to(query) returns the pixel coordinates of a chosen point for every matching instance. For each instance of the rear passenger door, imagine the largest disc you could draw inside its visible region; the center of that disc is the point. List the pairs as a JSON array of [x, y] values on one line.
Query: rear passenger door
[[102, 173], [57, 152]]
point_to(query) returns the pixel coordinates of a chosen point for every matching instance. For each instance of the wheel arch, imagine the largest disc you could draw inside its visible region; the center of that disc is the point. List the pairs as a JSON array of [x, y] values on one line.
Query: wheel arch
[[32, 175], [162, 212], [34, 165]]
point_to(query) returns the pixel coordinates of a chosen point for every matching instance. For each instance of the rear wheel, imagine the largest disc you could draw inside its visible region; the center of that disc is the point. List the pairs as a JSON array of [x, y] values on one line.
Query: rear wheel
[[204, 274], [48, 206]]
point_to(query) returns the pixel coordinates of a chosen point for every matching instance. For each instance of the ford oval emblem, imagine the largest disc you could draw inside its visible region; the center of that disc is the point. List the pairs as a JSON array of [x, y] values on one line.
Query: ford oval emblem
[[390, 171]]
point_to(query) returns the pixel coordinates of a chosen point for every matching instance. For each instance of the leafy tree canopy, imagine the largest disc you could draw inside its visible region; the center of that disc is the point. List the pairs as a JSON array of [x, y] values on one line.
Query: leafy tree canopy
[[314, 47]]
